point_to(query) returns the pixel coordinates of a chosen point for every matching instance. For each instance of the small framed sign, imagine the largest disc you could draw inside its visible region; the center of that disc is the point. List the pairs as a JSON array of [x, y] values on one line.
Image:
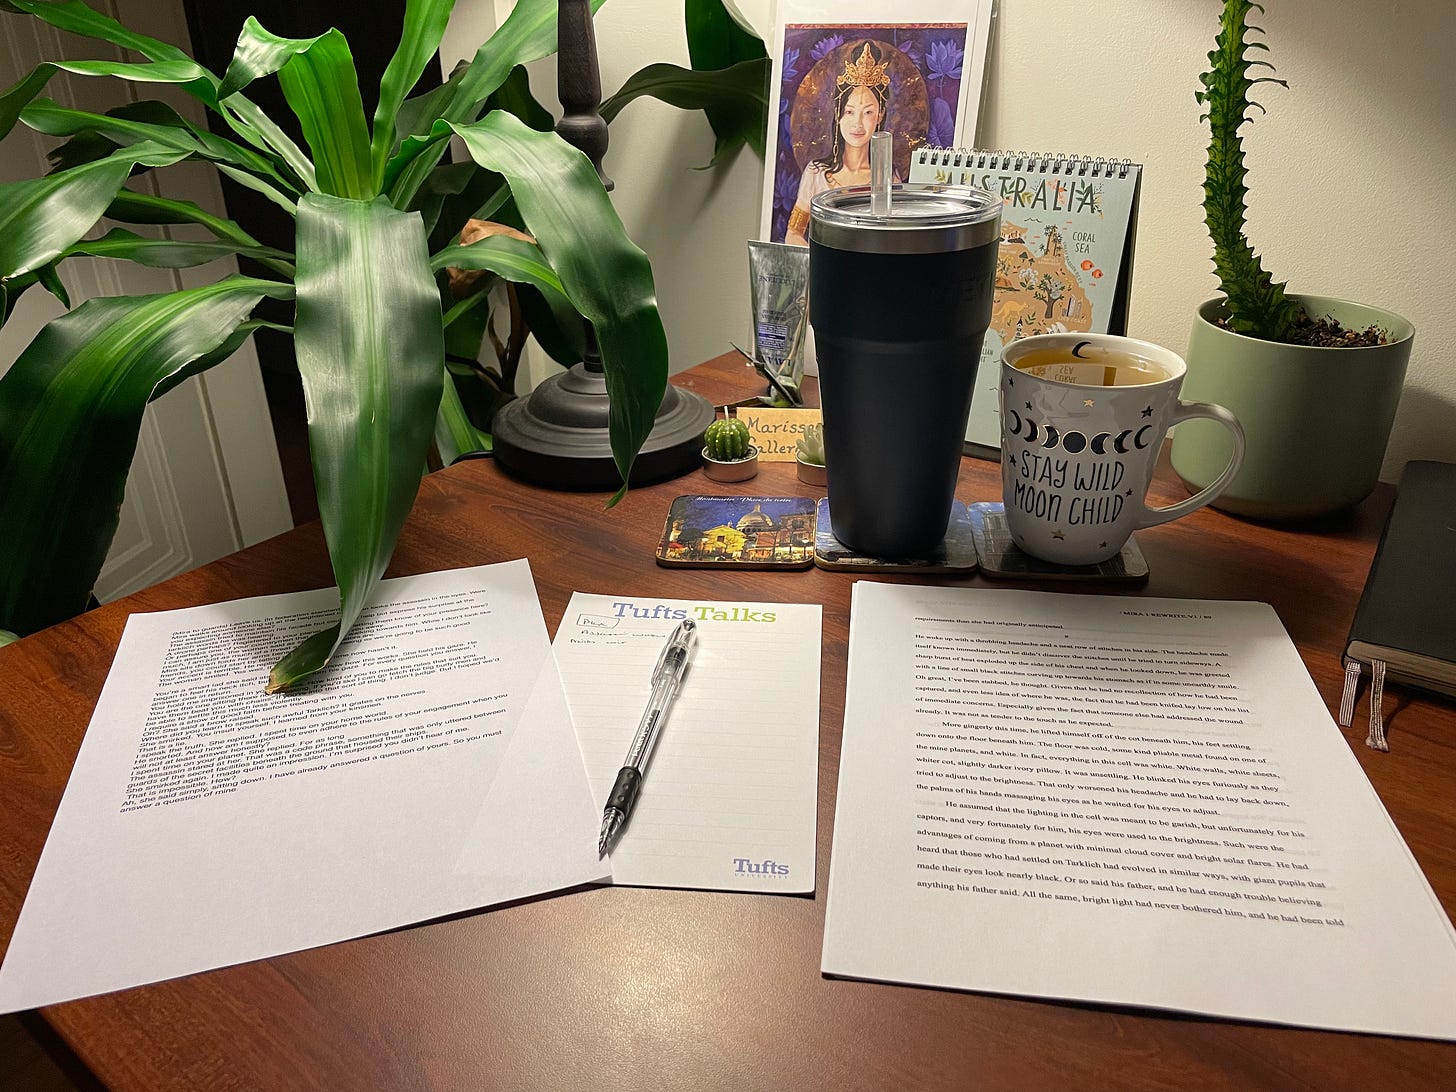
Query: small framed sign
[[776, 432]]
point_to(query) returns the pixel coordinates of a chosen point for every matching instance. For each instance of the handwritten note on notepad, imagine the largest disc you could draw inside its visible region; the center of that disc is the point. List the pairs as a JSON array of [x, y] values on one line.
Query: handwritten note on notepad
[[729, 800]]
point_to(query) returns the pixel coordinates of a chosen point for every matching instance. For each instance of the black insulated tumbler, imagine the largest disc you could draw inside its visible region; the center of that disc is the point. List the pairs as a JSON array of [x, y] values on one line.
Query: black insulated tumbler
[[899, 305]]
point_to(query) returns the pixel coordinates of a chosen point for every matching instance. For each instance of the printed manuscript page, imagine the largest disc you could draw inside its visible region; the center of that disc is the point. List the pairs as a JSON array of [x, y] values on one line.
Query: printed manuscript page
[[206, 823], [1119, 800]]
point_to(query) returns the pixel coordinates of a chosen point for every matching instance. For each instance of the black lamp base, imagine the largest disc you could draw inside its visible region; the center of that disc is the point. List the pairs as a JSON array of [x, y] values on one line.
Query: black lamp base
[[557, 436]]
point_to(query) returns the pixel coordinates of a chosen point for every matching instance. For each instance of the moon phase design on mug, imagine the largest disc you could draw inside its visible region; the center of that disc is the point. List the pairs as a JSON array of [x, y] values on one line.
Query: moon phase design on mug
[[1072, 441]]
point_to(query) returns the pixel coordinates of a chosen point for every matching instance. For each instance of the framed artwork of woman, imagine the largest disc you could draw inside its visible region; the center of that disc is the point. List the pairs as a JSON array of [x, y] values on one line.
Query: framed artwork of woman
[[839, 85]]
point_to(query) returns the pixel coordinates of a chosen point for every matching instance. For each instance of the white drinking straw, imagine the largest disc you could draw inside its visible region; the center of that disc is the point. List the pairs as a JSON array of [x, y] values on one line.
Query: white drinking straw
[[882, 153]]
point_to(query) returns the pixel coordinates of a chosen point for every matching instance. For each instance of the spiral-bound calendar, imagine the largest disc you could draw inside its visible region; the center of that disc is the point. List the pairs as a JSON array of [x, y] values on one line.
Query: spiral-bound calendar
[[1065, 262]]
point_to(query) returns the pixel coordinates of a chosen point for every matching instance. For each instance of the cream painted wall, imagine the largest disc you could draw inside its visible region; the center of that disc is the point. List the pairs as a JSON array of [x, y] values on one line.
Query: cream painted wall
[[1351, 170]]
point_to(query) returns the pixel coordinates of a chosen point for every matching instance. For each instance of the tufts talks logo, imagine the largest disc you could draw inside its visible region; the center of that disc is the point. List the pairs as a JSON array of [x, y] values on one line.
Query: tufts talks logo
[[745, 867]]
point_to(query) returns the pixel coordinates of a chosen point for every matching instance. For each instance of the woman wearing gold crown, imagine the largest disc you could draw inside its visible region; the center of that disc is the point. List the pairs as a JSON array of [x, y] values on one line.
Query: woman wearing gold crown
[[861, 101]]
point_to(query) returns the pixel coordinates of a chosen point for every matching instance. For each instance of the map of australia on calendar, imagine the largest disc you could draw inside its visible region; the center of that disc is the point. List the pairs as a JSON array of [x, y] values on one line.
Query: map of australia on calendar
[[1065, 254]]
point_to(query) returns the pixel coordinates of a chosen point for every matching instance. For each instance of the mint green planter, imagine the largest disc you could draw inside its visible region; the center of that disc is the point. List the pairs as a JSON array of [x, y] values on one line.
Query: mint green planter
[[1316, 419]]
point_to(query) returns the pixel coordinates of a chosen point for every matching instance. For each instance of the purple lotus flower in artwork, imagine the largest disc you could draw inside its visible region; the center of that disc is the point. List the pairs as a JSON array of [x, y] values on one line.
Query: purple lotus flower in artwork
[[791, 65], [942, 124], [826, 45], [786, 187], [944, 61], [911, 48]]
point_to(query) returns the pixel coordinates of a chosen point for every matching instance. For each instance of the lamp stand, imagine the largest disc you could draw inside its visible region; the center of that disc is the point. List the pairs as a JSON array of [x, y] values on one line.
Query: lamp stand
[[558, 436]]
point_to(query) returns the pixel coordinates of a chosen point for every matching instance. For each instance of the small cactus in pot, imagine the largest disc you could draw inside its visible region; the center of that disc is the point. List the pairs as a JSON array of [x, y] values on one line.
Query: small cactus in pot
[[728, 455], [727, 440]]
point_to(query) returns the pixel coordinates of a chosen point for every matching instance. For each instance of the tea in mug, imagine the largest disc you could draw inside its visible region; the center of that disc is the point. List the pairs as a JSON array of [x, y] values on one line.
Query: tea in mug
[[1088, 364]]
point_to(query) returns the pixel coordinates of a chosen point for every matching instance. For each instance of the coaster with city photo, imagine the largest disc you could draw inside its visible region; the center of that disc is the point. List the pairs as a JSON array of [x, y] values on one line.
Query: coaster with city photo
[[1000, 557], [955, 554], [713, 532]]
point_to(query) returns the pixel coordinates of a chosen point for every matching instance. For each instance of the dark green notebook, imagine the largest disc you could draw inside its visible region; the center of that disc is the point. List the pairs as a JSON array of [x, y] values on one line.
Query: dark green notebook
[[1405, 623], [1407, 613]]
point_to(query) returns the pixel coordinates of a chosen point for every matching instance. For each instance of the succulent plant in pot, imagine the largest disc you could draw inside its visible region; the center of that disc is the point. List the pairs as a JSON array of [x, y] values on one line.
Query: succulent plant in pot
[[810, 456], [728, 452], [1314, 380]]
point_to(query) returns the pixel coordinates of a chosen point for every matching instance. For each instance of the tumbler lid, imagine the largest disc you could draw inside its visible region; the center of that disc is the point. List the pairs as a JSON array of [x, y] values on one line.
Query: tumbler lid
[[923, 219]]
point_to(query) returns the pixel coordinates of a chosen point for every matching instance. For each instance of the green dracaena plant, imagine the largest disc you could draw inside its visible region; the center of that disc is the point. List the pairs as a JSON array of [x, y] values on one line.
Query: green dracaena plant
[[1257, 304], [368, 327]]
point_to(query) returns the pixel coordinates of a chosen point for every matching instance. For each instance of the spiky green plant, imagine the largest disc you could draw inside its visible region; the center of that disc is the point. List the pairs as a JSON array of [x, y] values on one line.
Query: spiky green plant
[[1257, 304], [726, 440]]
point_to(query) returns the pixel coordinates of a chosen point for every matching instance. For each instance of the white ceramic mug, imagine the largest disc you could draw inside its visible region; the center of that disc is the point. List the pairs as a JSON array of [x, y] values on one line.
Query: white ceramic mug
[[1083, 417]]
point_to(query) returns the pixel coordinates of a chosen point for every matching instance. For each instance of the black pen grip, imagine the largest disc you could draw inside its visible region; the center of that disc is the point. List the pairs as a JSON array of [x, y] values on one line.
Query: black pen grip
[[625, 789]]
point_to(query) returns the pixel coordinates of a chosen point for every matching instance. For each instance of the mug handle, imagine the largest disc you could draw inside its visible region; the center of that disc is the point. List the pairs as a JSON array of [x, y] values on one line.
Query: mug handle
[[1187, 411]]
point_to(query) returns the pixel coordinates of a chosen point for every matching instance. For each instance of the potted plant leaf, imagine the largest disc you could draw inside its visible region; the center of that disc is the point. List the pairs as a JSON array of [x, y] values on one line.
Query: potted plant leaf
[[368, 328], [1315, 381]]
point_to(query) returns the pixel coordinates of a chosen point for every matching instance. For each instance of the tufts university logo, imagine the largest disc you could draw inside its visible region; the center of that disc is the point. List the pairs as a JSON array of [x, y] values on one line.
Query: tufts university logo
[[745, 867]]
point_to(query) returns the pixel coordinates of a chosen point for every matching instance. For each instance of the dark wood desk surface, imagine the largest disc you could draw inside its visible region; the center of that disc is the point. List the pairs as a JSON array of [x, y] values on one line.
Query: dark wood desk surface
[[625, 988]]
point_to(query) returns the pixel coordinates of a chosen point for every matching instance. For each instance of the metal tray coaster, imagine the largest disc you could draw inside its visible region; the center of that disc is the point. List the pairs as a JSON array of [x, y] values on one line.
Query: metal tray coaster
[[955, 554], [1000, 556]]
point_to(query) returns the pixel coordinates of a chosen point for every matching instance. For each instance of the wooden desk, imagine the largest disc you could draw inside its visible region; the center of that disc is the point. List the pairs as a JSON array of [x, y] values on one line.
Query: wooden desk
[[624, 988]]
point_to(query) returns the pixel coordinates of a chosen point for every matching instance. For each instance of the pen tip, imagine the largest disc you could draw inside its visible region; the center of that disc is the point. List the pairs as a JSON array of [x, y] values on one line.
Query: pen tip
[[611, 824]]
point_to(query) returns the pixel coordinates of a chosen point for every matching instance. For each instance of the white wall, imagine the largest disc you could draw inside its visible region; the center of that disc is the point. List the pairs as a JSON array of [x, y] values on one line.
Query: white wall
[[1352, 170]]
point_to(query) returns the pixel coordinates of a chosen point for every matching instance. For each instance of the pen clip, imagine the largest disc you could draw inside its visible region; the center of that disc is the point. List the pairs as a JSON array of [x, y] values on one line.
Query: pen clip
[[673, 659]]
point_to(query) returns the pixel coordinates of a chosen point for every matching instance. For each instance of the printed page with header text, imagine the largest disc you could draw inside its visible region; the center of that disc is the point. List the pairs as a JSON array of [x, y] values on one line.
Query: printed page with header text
[[1119, 800], [730, 797]]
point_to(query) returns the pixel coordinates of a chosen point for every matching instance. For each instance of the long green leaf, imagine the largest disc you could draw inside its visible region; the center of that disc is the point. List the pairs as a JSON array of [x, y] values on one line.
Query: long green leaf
[[166, 253], [41, 217], [520, 263], [242, 116], [514, 94], [562, 335], [70, 410], [371, 354], [419, 112], [424, 26], [78, 18], [50, 280], [16, 98], [528, 34], [12, 289], [741, 88], [513, 259], [262, 186], [322, 89], [720, 37], [150, 121], [259, 53], [249, 121], [455, 434], [607, 277], [131, 207]]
